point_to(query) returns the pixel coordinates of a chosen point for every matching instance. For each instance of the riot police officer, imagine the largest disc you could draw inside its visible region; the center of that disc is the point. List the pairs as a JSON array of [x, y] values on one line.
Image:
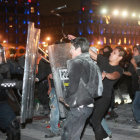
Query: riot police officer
[[8, 121]]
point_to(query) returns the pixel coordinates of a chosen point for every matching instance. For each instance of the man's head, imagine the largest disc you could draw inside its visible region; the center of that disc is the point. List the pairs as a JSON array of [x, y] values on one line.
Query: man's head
[[136, 50], [107, 51], [79, 45], [117, 54]]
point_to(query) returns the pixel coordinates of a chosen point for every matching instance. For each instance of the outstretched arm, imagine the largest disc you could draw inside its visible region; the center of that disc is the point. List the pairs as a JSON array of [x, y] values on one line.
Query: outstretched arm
[[93, 55], [112, 76], [71, 37]]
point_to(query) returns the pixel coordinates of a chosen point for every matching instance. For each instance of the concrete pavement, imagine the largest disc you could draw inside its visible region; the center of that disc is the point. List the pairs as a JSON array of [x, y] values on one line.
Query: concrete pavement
[[121, 128]]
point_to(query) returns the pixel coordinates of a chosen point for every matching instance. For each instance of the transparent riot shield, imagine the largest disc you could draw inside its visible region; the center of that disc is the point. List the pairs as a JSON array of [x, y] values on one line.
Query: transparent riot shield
[[58, 56], [29, 73]]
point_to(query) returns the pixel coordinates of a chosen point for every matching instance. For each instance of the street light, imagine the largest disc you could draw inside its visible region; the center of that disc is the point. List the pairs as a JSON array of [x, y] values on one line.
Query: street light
[[124, 13], [133, 14], [48, 38], [43, 43], [104, 11], [116, 12], [99, 43], [4, 41]]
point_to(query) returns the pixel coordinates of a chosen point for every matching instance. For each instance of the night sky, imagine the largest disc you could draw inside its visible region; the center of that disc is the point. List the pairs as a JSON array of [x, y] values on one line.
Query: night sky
[[47, 5]]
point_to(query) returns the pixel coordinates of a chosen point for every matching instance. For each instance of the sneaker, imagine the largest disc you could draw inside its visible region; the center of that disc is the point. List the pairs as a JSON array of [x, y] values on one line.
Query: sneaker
[[110, 136], [50, 134], [106, 138]]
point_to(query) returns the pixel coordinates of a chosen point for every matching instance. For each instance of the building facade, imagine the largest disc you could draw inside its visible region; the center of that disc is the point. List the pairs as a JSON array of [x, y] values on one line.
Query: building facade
[[14, 17], [100, 29]]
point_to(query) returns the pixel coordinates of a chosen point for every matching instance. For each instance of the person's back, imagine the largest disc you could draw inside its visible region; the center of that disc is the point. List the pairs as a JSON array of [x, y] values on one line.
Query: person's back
[[80, 96]]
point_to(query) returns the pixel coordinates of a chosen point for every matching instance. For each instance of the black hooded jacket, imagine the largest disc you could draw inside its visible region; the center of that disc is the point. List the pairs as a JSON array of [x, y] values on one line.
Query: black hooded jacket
[[84, 81]]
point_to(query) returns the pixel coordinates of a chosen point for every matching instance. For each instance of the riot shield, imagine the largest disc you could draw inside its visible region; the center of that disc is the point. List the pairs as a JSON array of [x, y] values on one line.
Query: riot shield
[[29, 72], [58, 56]]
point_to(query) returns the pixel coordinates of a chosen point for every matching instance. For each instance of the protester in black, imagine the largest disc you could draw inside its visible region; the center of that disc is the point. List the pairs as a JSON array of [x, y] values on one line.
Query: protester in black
[[111, 72], [43, 70]]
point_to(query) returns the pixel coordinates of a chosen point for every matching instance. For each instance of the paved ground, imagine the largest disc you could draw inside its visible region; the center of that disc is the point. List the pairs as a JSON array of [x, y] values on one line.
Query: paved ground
[[121, 128]]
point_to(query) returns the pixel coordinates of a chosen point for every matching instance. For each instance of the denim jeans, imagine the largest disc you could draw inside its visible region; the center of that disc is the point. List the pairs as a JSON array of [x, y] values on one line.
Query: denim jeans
[[136, 107], [6, 115], [75, 122], [54, 115], [105, 126]]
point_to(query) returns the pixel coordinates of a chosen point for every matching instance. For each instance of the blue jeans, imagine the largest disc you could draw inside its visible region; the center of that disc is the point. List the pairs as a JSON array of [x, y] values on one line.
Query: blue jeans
[[54, 115], [136, 107], [6, 115], [75, 122], [105, 126]]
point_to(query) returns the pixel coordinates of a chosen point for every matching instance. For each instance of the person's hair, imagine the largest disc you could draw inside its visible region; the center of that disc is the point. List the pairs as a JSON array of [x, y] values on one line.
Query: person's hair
[[122, 52], [108, 47], [137, 47], [81, 42]]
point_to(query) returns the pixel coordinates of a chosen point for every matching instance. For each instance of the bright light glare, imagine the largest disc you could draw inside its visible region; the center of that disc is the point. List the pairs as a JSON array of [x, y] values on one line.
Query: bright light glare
[[48, 38], [104, 11], [116, 12], [98, 42], [124, 13], [43, 43], [4, 41], [133, 14]]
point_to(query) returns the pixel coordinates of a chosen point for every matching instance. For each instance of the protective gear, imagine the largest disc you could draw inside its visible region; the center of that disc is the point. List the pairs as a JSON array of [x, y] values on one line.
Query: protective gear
[[58, 56], [29, 73], [2, 55], [13, 132], [11, 84]]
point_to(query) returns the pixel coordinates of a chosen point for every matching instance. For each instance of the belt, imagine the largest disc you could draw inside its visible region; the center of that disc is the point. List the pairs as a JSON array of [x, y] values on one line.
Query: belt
[[90, 105]]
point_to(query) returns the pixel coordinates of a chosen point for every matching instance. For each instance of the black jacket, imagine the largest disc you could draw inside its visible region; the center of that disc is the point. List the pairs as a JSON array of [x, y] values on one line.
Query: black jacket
[[4, 74], [83, 81]]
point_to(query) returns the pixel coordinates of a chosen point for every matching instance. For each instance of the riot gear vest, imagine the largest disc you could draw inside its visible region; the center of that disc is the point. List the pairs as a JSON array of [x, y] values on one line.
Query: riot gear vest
[[4, 74]]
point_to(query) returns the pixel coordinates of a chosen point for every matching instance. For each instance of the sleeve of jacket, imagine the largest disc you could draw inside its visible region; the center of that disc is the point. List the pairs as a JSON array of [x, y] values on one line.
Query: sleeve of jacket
[[74, 73]]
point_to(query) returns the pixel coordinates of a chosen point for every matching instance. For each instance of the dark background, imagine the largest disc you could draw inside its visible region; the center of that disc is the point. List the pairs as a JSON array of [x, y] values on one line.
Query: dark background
[[47, 5]]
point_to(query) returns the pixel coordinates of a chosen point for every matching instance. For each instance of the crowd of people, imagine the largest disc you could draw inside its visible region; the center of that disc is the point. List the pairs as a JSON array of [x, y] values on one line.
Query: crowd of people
[[93, 77]]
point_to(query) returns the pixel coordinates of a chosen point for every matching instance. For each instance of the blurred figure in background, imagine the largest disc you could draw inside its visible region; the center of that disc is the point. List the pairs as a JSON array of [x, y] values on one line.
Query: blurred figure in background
[[107, 51], [43, 70], [133, 72]]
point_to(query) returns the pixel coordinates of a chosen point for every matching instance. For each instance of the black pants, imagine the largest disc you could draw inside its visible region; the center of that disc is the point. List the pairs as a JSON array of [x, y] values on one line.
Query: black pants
[[42, 89], [6, 115], [101, 107]]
